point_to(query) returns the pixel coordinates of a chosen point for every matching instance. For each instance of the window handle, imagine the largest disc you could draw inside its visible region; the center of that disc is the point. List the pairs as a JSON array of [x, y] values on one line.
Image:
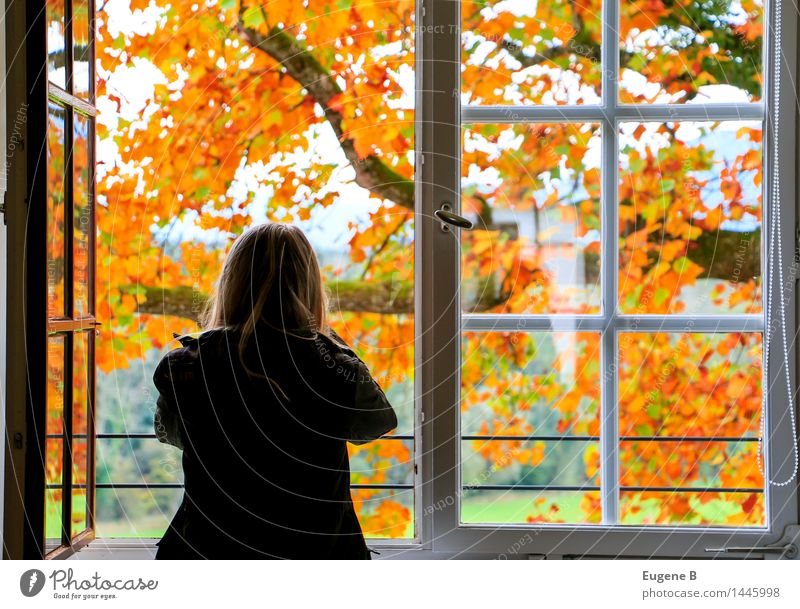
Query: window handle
[[449, 218]]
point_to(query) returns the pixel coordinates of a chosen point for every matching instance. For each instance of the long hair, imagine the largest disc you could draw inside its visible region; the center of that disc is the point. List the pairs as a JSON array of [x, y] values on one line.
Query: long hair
[[270, 279]]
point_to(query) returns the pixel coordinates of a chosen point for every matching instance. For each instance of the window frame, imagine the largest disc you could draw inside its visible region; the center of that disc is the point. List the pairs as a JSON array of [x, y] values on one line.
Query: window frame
[[441, 183], [28, 323]]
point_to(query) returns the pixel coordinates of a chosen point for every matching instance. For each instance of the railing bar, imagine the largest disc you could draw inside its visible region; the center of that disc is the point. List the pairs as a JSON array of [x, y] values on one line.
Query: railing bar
[[543, 438], [555, 487]]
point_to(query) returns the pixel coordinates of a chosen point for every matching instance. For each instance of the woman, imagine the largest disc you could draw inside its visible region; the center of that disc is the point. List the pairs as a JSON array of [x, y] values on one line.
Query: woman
[[263, 403]]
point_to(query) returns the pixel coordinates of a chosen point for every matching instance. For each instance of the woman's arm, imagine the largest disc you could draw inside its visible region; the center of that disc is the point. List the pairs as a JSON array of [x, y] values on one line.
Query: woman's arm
[[360, 405], [175, 369]]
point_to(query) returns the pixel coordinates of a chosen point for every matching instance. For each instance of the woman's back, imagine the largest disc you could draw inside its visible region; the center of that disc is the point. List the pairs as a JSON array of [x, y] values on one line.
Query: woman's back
[[265, 460]]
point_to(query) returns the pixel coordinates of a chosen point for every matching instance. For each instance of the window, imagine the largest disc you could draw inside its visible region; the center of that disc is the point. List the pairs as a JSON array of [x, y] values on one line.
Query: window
[[585, 372], [610, 373], [69, 446], [351, 189]]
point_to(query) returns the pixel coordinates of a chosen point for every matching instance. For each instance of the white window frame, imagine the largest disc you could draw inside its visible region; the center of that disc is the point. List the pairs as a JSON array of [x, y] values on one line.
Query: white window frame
[[440, 321]]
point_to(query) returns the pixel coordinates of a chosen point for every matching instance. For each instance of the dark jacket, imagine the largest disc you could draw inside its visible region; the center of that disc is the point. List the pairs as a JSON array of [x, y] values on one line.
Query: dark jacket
[[265, 462]]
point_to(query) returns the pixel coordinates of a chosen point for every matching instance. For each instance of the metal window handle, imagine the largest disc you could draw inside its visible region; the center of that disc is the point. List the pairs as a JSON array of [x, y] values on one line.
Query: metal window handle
[[449, 218]]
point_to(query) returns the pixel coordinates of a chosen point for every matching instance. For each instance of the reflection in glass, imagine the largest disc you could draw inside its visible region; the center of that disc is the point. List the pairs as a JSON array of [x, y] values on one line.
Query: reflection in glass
[[54, 442], [531, 53], [56, 210], [696, 51], [533, 191], [690, 215], [81, 67], [82, 215], [56, 50]]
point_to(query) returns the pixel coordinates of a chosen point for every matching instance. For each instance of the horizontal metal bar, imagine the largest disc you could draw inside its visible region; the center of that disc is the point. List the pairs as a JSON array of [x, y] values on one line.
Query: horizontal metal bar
[[651, 112], [555, 487], [595, 323], [690, 323], [543, 438], [152, 436], [179, 485]]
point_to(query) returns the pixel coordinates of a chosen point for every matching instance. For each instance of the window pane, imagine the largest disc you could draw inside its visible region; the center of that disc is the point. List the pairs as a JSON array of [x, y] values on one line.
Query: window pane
[[54, 443], [690, 205], [81, 67], [56, 51], [530, 384], [533, 192], [690, 385], [81, 388], [56, 210], [524, 507], [135, 512], [693, 387], [690, 463], [535, 462], [695, 51], [82, 214], [531, 53], [516, 383]]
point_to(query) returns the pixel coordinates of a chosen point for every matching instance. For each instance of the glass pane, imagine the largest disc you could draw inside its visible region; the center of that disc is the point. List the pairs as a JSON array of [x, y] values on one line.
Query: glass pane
[[694, 51], [692, 508], [690, 385], [690, 463], [54, 443], [82, 214], [530, 384], [135, 512], [81, 67], [385, 513], [531, 53], [56, 50], [690, 212], [137, 460], [533, 191], [525, 507], [695, 387], [56, 210], [516, 383], [81, 387], [536, 462]]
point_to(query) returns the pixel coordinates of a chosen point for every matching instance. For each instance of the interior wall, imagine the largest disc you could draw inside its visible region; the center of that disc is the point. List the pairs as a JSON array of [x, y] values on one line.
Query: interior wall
[[3, 256]]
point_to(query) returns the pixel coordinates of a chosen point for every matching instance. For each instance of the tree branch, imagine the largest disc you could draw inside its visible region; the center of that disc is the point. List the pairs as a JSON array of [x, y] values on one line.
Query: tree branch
[[371, 172]]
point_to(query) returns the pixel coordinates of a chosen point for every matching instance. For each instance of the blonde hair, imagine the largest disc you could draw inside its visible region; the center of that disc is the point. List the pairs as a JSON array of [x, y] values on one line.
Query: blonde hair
[[271, 277]]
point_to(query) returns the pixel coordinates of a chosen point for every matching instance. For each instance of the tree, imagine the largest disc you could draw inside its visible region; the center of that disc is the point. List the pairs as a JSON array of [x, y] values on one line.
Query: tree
[[247, 99]]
